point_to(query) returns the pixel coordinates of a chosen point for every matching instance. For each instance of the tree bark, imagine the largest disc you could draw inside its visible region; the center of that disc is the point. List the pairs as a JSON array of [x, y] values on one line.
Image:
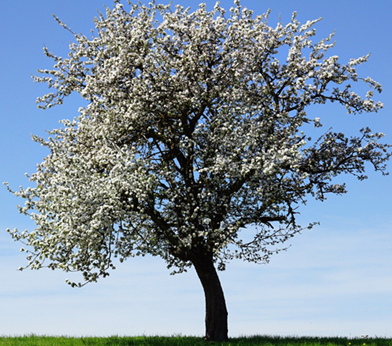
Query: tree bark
[[216, 312]]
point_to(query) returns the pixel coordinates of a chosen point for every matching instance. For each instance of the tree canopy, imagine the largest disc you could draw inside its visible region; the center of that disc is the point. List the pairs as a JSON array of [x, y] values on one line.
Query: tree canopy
[[194, 130]]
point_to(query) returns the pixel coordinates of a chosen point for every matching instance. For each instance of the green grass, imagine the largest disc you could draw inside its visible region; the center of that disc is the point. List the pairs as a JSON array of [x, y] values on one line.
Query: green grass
[[34, 340]]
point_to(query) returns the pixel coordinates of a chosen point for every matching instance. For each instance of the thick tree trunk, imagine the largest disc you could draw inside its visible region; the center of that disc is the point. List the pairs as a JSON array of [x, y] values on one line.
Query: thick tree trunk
[[216, 312]]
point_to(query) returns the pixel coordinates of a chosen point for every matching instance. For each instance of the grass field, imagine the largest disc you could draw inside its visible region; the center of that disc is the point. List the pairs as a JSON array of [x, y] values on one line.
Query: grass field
[[34, 340]]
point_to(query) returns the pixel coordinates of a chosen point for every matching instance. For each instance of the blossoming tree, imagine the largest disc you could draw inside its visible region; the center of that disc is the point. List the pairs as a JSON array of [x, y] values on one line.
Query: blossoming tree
[[193, 130]]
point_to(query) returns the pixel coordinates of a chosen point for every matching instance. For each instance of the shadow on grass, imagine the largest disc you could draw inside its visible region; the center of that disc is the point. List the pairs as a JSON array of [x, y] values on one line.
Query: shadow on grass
[[251, 340]]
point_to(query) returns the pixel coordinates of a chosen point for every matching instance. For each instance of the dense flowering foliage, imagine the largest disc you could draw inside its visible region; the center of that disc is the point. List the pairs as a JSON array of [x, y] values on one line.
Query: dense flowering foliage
[[193, 131]]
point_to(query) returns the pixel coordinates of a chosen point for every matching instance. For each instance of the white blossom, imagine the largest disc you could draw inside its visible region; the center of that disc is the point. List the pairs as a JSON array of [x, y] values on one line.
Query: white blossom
[[192, 131]]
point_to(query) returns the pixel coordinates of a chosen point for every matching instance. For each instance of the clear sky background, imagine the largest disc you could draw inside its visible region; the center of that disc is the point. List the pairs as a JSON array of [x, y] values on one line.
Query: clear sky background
[[334, 280]]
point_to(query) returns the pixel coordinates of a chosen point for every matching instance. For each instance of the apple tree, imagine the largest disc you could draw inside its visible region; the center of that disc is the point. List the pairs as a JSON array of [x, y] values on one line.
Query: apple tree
[[193, 129]]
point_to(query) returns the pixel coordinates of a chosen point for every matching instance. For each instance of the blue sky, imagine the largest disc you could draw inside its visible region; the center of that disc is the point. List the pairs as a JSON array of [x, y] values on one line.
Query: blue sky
[[334, 280]]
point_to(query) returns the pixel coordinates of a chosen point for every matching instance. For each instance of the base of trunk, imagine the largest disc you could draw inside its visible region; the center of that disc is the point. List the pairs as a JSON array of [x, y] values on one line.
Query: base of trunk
[[216, 312]]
